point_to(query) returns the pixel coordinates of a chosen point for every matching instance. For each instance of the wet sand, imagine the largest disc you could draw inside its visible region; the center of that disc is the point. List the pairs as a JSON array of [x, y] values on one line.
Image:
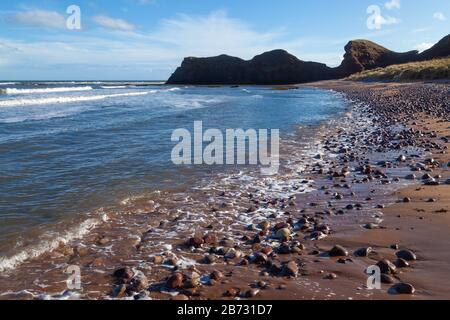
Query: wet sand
[[348, 192]]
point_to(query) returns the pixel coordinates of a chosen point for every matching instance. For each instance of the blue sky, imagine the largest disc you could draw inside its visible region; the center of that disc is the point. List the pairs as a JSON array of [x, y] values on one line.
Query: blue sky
[[147, 39]]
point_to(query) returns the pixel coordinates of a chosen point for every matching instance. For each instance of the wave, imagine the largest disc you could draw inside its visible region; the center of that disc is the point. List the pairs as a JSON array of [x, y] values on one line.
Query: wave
[[7, 83], [50, 245], [62, 100], [114, 87], [47, 90]]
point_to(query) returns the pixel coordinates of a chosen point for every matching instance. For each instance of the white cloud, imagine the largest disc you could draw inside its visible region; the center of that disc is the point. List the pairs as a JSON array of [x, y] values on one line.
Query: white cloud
[[112, 23], [39, 18], [424, 46], [439, 16], [392, 4], [134, 54], [218, 33]]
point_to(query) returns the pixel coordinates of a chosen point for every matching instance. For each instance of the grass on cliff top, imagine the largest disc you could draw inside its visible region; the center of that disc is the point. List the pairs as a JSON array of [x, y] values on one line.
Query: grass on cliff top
[[424, 70]]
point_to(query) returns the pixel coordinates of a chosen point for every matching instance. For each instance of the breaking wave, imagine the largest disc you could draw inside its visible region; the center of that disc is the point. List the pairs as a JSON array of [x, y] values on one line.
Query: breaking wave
[[61, 100], [47, 90]]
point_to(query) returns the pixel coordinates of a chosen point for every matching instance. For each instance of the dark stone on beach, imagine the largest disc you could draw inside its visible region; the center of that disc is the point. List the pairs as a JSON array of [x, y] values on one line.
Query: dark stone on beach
[[196, 241], [406, 200], [401, 263], [192, 279], [447, 181], [290, 269], [284, 248], [231, 293], [363, 252], [431, 182], [124, 273], [394, 246], [338, 251], [406, 255], [260, 258], [175, 281], [210, 259], [404, 288], [331, 276], [386, 266], [371, 226], [283, 234], [410, 177], [251, 293], [317, 235], [386, 279], [427, 176], [138, 283]]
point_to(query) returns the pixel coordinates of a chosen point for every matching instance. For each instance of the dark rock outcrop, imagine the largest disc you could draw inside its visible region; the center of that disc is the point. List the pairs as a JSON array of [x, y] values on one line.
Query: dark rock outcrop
[[280, 67], [274, 67]]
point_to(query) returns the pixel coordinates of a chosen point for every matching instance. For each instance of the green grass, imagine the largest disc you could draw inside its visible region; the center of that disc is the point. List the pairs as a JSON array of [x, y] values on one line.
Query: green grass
[[424, 70]]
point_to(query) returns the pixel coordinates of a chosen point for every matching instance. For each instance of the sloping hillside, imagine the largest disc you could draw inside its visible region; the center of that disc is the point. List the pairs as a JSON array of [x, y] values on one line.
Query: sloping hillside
[[424, 70]]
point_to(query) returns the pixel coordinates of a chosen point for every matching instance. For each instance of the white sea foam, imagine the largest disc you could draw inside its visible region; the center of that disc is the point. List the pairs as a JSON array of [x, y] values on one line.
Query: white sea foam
[[61, 100], [9, 263], [46, 90], [114, 87], [7, 83]]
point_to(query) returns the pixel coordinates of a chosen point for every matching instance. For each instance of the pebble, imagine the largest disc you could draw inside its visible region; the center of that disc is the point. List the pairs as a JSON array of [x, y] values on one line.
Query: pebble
[[210, 239], [260, 258], [138, 283], [338, 251], [386, 266], [401, 263], [387, 279], [251, 293], [192, 279], [180, 297], [175, 281], [124, 273], [404, 288], [331, 276], [290, 269], [363, 252], [406, 255], [370, 226], [210, 259], [196, 241], [284, 233], [157, 259], [231, 293]]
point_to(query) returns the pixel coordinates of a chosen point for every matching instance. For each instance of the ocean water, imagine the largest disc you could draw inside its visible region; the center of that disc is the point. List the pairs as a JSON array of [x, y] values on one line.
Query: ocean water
[[68, 148]]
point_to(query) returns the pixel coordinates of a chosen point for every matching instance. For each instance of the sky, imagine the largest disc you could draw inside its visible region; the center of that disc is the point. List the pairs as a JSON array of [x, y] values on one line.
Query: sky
[[147, 39]]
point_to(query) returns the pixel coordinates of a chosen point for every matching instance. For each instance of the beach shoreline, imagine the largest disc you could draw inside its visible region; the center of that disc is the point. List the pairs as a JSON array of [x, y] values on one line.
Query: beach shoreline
[[283, 248]]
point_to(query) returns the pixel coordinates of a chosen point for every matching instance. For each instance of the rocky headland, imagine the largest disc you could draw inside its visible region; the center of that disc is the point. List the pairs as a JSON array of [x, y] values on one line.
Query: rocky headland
[[280, 67]]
